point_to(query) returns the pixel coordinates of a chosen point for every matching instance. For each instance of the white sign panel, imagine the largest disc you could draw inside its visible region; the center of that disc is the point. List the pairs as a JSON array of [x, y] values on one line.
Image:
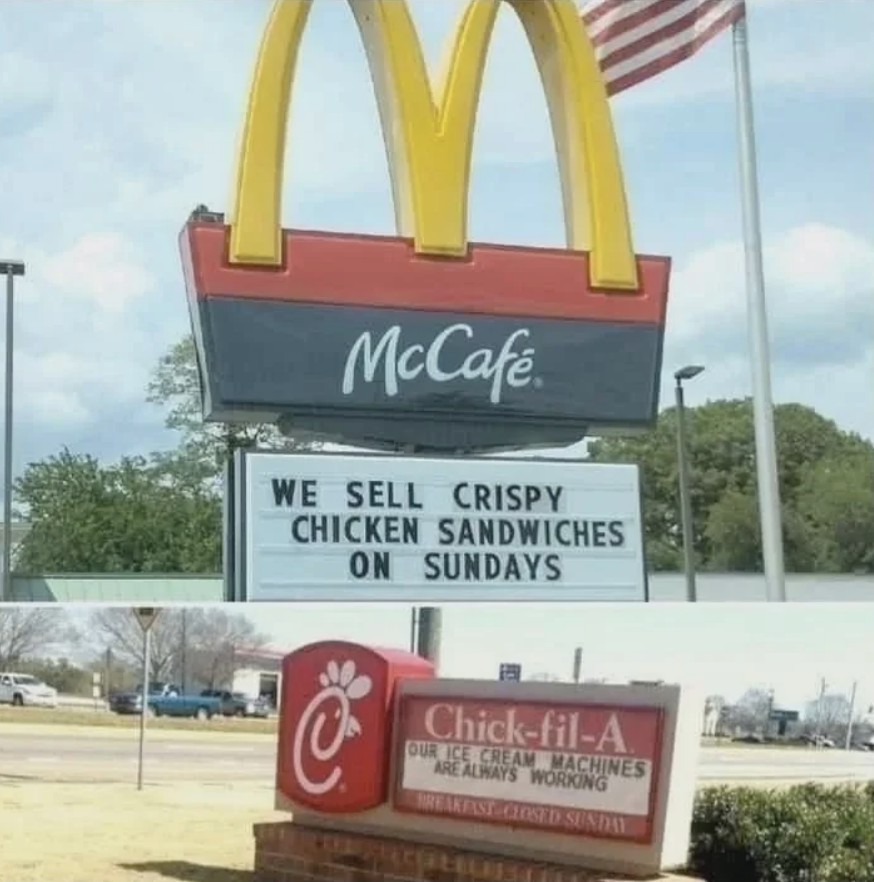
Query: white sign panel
[[429, 529], [577, 769]]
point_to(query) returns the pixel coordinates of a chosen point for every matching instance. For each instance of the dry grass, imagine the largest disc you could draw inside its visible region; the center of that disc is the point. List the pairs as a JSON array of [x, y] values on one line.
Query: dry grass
[[85, 832], [106, 720]]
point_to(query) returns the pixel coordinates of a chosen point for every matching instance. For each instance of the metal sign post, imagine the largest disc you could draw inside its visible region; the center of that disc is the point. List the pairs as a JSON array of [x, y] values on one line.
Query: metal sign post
[[11, 268], [146, 617]]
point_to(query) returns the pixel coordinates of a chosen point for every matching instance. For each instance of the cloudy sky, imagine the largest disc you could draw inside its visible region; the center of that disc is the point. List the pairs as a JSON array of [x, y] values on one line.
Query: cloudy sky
[[725, 648], [116, 118], [715, 648]]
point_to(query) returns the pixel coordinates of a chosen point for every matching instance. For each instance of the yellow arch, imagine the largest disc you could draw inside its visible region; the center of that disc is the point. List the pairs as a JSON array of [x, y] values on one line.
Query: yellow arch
[[430, 141]]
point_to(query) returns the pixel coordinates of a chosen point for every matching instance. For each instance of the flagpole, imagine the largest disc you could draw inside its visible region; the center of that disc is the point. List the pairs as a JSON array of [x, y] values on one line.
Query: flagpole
[[757, 319]]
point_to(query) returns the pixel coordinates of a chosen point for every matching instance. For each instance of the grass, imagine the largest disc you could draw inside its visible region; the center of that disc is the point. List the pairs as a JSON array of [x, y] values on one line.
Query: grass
[[106, 720], [84, 832]]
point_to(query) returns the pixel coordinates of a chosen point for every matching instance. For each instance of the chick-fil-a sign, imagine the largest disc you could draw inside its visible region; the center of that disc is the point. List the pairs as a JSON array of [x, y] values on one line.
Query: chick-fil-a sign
[[569, 765], [335, 723]]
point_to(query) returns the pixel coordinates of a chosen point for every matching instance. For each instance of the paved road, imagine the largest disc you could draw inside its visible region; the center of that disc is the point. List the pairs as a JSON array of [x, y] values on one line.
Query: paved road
[[80, 754], [761, 764], [76, 756]]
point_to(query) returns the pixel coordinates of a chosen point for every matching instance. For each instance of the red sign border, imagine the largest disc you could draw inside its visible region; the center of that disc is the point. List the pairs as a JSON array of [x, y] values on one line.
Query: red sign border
[[317, 267], [397, 790]]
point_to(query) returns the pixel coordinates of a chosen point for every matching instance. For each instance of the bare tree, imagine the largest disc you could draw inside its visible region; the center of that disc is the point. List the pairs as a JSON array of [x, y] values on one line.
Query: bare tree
[[751, 712], [193, 645], [828, 714], [119, 630], [215, 640], [26, 632]]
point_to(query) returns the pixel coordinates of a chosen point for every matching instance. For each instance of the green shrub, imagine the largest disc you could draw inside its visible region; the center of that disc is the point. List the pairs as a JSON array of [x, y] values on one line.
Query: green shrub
[[808, 833]]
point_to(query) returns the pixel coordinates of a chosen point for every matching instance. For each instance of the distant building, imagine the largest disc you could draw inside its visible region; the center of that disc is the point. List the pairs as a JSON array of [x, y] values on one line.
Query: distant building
[[713, 712], [259, 673]]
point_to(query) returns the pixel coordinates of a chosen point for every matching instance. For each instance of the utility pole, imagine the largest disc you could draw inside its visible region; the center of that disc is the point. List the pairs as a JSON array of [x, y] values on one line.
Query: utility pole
[[183, 673], [578, 664], [820, 707], [107, 674], [414, 628], [430, 634], [849, 739]]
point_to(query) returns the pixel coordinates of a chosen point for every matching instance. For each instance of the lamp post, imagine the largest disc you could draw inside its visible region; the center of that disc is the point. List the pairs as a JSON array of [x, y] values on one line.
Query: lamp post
[[11, 269], [685, 373]]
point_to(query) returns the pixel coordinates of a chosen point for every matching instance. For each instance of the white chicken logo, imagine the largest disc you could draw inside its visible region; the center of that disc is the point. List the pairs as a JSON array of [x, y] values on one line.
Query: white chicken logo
[[341, 685]]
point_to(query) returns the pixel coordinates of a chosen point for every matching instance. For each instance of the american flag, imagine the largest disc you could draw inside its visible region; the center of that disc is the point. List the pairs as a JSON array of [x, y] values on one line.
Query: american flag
[[637, 39]]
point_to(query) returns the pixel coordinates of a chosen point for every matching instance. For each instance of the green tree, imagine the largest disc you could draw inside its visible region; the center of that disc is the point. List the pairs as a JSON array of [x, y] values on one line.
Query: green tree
[[126, 518], [836, 503], [724, 489], [204, 447]]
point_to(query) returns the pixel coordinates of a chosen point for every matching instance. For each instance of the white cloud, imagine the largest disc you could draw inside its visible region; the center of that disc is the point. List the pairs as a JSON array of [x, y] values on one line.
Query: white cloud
[[47, 399], [100, 268], [82, 341], [820, 315], [818, 281], [25, 89]]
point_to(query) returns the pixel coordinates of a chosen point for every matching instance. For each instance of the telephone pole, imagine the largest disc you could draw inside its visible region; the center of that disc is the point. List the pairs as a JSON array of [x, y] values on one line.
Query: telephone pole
[[820, 707], [430, 634], [849, 739]]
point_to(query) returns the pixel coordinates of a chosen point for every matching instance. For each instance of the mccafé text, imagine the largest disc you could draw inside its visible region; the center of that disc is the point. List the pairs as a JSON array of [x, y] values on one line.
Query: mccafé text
[[510, 366]]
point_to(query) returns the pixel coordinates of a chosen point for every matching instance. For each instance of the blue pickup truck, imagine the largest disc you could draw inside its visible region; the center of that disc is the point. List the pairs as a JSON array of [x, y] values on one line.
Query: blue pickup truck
[[131, 702], [199, 707]]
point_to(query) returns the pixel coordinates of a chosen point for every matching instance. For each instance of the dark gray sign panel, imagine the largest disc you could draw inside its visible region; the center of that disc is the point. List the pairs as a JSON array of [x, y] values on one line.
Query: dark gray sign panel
[[360, 340]]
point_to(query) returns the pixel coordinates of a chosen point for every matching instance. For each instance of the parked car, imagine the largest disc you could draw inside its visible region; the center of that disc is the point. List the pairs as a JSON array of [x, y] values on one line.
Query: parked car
[[23, 690], [131, 702], [236, 704]]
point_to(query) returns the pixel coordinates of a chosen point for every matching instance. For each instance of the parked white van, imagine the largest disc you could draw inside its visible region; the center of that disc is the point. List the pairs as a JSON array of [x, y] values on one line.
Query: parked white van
[[24, 690]]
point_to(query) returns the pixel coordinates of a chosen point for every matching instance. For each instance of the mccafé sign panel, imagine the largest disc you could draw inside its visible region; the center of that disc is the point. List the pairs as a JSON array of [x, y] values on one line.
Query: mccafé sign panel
[[425, 338], [428, 529], [578, 769]]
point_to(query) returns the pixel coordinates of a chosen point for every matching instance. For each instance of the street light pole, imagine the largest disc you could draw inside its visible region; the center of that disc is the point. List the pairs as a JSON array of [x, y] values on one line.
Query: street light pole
[[685, 373], [11, 268]]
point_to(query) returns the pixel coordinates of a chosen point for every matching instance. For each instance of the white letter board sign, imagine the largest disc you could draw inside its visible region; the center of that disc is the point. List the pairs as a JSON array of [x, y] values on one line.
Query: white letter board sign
[[420, 529]]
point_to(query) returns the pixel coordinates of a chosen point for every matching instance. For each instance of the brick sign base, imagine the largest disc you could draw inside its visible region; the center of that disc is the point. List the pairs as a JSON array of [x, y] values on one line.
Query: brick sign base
[[290, 852]]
